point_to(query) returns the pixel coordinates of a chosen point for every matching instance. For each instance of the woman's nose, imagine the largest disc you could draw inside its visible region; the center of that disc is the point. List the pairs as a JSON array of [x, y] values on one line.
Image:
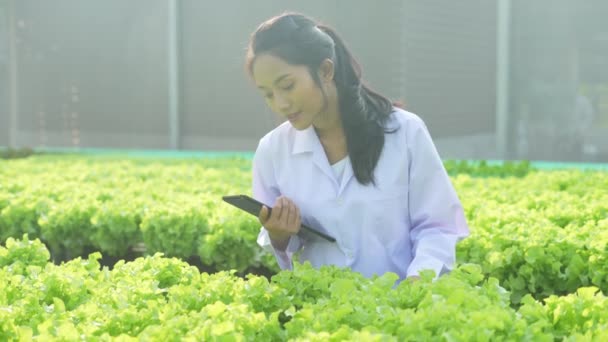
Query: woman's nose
[[282, 104]]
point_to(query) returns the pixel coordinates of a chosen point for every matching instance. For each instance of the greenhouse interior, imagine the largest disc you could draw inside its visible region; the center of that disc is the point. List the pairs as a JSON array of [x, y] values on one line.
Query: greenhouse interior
[[140, 141]]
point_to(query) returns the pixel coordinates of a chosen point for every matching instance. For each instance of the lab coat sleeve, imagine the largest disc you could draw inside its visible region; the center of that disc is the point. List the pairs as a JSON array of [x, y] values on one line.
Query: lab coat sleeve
[[436, 215], [266, 191]]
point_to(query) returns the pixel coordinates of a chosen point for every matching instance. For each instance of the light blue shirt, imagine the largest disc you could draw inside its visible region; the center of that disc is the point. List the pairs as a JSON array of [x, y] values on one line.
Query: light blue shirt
[[410, 221]]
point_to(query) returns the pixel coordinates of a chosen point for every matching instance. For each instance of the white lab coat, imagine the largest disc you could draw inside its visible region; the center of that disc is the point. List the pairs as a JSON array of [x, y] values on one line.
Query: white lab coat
[[411, 221]]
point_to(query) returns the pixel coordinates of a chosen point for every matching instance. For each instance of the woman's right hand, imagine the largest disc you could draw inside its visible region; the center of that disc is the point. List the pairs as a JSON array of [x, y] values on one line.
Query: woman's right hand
[[284, 221]]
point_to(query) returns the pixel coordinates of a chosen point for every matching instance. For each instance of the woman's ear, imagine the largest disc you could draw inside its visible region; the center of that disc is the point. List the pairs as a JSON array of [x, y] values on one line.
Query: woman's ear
[[326, 70]]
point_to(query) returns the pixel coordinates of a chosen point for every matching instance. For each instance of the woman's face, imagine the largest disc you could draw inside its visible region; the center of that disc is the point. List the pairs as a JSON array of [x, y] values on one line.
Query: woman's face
[[289, 90]]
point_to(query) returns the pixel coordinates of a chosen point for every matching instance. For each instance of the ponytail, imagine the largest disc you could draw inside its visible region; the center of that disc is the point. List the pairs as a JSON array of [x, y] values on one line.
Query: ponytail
[[364, 112]]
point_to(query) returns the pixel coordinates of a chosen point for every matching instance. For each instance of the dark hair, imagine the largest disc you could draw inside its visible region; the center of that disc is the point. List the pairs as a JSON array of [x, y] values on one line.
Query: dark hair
[[298, 40]]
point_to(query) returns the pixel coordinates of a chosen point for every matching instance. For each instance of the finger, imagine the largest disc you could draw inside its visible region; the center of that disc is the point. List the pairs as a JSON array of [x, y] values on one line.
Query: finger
[[290, 215], [263, 215], [293, 215], [282, 214], [272, 218]]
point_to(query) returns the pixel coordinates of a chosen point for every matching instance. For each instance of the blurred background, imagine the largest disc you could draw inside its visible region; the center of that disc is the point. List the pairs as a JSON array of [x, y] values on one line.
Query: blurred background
[[505, 79]]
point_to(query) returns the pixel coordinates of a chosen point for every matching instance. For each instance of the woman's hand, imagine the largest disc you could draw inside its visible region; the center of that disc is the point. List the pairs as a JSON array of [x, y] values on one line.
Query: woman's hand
[[284, 221]]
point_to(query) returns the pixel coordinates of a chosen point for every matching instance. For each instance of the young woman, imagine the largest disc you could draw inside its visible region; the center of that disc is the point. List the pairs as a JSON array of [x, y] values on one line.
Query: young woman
[[346, 162]]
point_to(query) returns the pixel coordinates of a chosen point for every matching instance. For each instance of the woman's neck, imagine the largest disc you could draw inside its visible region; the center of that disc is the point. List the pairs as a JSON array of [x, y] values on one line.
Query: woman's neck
[[332, 136], [328, 125]]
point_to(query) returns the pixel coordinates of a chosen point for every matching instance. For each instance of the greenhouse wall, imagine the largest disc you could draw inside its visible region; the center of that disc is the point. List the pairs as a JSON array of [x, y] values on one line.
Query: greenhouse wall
[[145, 75]]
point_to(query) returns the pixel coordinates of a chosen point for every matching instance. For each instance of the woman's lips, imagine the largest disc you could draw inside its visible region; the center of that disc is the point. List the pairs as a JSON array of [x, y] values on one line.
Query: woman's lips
[[294, 116]]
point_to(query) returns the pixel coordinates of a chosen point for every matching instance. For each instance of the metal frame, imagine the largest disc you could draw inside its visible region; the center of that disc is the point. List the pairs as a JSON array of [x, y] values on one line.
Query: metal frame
[[173, 72], [12, 78], [502, 77], [173, 69]]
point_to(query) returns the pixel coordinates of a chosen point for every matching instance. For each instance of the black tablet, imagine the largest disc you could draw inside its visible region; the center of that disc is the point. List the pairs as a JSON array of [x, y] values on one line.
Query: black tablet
[[253, 207]]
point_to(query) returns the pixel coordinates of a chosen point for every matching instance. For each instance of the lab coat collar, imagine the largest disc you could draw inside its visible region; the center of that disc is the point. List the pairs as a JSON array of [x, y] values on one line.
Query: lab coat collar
[[305, 141], [308, 141]]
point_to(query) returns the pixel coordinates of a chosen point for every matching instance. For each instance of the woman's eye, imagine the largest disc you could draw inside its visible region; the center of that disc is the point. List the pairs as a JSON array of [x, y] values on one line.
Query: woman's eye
[[289, 86], [268, 96]]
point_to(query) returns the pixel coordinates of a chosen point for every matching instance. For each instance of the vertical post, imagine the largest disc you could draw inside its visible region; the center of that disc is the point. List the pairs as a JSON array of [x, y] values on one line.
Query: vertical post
[[12, 78], [502, 76], [403, 57], [173, 64]]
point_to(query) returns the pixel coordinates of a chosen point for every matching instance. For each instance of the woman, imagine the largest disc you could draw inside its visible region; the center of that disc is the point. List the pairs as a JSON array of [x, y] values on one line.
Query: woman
[[347, 162]]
